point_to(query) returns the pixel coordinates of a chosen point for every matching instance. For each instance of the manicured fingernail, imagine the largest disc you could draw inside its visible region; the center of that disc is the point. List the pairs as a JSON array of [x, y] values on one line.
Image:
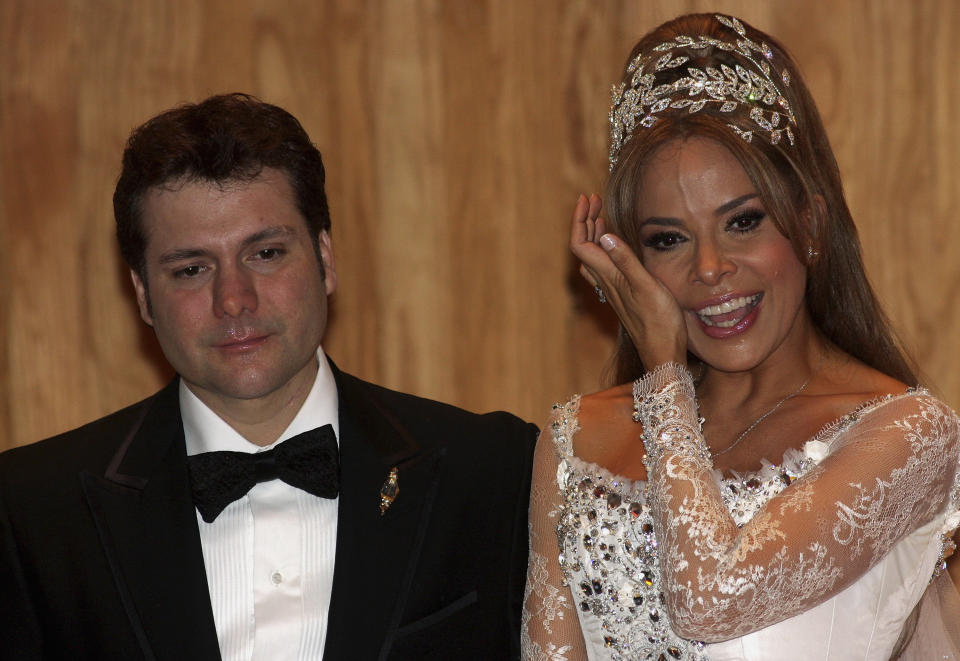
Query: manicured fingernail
[[608, 242]]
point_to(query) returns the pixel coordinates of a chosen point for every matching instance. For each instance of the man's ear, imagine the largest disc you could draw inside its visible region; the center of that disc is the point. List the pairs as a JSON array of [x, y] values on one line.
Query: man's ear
[[143, 298], [329, 268]]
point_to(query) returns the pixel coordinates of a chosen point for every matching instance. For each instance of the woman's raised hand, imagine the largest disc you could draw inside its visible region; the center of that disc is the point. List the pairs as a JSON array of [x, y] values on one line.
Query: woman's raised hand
[[647, 310]]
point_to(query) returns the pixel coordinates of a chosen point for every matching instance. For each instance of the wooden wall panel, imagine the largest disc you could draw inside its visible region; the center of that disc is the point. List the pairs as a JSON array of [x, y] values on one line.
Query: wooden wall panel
[[457, 135]]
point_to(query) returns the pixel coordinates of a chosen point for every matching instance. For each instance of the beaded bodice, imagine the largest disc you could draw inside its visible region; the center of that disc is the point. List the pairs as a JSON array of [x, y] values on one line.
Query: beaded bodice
[[618, 567], [609, 555]]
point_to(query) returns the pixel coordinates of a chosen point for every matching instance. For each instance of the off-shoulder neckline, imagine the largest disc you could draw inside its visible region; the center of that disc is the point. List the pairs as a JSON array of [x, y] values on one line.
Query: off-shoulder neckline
[[826, 433]]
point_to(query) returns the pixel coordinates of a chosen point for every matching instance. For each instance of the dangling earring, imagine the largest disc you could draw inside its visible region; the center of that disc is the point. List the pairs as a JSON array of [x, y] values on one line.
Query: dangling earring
[[812, 253]]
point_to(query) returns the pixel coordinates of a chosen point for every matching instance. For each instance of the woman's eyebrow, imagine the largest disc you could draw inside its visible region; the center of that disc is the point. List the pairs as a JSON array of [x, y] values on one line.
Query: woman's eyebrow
[[734, 203]]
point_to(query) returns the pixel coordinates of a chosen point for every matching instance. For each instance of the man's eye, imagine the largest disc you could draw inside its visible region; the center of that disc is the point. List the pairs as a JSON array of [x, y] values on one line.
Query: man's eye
[[269, 254], [188, 271]]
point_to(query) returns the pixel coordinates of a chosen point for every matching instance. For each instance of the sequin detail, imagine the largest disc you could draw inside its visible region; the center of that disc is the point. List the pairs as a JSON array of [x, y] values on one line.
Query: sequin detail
[[608, 555], [609, 552]]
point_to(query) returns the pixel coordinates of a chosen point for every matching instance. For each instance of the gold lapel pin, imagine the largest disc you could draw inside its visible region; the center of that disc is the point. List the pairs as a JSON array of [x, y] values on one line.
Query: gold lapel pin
[[389, 491]]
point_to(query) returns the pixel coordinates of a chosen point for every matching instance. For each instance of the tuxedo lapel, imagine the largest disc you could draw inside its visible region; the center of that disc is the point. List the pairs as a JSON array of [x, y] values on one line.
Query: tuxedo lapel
[[376, 553], [147, 525]]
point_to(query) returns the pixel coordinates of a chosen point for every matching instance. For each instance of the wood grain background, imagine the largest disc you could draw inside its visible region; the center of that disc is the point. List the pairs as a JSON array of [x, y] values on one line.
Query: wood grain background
[[456, 136]]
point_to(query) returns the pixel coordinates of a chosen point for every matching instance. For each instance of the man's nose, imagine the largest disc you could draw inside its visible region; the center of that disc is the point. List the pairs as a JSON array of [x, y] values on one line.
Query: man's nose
[[234, 293]]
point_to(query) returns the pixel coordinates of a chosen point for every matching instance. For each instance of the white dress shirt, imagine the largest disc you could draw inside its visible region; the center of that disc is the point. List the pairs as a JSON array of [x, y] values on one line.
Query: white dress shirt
[[269, 556]]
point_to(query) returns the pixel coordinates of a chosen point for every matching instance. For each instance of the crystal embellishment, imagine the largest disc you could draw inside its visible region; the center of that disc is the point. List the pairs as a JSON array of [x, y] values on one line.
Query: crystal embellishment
[[389, 491], [753, 83], [621, 585], [606, 538]]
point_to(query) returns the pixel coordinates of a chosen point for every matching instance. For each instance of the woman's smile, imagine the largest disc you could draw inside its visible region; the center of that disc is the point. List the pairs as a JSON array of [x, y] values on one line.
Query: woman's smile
[[706, 235], [728, 313]]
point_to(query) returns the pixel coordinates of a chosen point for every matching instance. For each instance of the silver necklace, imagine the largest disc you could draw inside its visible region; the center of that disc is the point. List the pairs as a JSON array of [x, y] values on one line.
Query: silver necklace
[[763, 417]]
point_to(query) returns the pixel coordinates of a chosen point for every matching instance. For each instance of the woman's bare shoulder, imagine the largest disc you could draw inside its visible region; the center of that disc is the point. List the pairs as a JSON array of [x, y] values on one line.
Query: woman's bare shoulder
[[849, 384], [608, 435]]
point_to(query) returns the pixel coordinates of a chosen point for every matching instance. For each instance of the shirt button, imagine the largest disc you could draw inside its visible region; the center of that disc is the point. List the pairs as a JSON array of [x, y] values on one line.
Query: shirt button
[[276, 578]]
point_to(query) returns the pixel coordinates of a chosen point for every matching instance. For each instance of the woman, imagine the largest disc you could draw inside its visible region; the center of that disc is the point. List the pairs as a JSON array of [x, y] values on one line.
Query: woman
[[804, 514]]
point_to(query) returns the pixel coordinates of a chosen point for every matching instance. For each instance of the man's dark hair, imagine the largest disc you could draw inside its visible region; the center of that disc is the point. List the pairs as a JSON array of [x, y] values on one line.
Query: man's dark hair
[[225, 138]]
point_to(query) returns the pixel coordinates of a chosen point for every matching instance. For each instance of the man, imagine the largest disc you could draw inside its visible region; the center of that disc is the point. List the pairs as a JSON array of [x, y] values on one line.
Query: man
[[368, 525]]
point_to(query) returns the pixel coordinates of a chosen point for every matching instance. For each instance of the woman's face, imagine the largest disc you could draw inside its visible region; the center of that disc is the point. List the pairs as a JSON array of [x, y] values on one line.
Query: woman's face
[[705, 234]]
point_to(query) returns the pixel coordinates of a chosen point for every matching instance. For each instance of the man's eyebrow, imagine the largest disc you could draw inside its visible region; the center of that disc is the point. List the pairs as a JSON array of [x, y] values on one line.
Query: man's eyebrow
[[181, 254], [268, 233]]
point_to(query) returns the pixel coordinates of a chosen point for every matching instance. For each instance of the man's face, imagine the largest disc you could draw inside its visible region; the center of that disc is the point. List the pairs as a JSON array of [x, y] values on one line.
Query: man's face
[[234, 290]]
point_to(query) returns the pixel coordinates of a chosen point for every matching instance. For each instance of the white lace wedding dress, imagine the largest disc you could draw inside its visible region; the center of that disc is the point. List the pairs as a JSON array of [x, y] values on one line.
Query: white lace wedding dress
[[821, 556]]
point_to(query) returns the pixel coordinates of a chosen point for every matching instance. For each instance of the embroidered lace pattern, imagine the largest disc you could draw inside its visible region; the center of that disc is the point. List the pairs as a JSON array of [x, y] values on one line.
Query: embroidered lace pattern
[[891, 467], [608, 556], [549, 628], [648, 568]]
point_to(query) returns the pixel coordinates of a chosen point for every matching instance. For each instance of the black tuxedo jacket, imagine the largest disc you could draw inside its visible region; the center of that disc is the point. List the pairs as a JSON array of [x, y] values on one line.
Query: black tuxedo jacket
[[100, 554]]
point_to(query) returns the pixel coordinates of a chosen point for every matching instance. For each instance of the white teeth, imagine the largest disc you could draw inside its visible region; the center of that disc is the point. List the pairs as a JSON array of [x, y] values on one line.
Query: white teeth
[[725, 307], [722, 324], [728, 306]]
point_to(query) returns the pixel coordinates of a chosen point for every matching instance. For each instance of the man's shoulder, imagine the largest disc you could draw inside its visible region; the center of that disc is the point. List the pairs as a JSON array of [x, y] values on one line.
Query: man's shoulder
[[416, 411], [90, 444]]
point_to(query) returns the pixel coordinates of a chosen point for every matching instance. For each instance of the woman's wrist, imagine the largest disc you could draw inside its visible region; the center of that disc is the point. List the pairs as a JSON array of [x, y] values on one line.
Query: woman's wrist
[[664, 401]]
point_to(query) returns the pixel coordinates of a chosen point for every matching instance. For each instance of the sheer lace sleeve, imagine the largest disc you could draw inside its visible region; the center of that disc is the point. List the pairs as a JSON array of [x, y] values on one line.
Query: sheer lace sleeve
[[883, 474], [550, 628]]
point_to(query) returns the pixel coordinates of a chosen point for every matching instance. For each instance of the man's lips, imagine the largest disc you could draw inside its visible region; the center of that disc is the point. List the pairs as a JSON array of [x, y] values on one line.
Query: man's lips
[[242, 343]]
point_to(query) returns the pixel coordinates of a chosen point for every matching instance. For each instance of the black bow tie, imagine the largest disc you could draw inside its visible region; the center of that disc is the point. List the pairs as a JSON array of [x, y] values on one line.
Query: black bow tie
[[307, 461]]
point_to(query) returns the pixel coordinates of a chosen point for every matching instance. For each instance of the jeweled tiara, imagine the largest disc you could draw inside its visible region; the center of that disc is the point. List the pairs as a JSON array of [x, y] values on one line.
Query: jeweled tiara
[[750, 82]]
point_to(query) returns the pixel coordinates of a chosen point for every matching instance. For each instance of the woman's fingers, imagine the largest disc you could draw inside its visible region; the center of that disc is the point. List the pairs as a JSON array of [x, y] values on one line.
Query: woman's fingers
[[613, 264], [646, 308], [586, 219], [591, 279], [601, 227], [578, 226], [649, 312], [583, 234], [597, 267], [623, 258], [593, 217]]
